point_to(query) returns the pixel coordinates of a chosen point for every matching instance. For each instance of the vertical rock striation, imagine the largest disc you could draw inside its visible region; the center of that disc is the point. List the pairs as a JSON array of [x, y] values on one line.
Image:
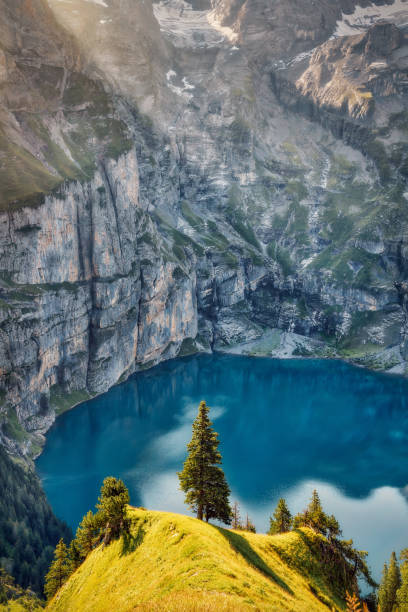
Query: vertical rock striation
[[184, 176]]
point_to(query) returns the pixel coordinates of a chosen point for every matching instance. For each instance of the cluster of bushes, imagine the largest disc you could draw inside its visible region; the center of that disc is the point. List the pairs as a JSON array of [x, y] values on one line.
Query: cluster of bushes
[[348, 563], [343, 564], [11, 593], [29, 530]]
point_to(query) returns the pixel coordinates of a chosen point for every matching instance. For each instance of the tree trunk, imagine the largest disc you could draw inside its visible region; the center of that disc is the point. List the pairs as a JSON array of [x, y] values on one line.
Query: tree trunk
[[200, 512], [108, 535]]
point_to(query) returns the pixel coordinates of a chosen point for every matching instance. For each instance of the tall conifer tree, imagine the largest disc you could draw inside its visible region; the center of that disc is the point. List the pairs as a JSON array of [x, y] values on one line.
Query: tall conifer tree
[[74, 555], [389, 585], [111, 506], [402, 593], [217, 505], [393, 582], [87, 534], [281, 521], [59, 570], [202, 479], [314, 516]]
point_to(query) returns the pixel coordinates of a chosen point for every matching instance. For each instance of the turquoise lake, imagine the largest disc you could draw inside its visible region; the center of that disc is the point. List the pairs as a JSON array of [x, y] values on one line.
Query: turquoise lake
[[286, 427]]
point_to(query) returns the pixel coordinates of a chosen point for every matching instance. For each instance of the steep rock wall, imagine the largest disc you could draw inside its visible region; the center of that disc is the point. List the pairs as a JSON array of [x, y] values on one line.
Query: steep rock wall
[[227, 223], [95, 284], [80, 307]]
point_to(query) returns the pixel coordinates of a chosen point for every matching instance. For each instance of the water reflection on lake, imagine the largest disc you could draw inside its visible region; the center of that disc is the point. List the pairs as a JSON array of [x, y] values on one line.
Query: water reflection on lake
[[286, 427]]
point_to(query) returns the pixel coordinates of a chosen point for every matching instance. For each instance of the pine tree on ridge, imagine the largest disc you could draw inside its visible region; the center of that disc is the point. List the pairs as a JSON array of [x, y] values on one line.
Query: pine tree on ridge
[[281, 520], [402, 593], [202, 478], [59, 570]]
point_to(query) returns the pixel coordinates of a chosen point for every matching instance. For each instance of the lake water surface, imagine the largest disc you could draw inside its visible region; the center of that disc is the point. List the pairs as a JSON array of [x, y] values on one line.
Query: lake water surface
[[285, 427]]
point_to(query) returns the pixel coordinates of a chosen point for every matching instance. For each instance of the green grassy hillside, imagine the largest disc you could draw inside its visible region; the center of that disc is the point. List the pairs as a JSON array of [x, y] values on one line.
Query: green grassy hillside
[[175, 562]]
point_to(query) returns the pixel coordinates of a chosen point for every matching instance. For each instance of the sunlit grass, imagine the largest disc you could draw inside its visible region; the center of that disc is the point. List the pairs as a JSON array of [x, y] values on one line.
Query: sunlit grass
[[175, 562]]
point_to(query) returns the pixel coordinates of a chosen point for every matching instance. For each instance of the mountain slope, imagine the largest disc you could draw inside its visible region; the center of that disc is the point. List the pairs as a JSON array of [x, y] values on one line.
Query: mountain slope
[[255, 206], [29, 531], [54, 121], [173, 562]]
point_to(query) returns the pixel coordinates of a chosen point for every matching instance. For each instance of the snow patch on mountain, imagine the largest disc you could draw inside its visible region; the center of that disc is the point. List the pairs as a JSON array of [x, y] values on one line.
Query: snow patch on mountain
[[363, 18], [183, 88], [188, 28], [100, 2]]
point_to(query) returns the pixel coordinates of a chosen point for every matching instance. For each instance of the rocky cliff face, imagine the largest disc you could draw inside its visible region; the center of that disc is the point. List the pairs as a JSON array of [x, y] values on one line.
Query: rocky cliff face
[[82, 305], [221, 176]]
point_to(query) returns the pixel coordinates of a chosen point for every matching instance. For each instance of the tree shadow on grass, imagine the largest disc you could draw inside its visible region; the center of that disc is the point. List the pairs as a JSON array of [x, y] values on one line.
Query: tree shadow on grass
[[243, 547], [316, 548], [131, 541], [325, 581]]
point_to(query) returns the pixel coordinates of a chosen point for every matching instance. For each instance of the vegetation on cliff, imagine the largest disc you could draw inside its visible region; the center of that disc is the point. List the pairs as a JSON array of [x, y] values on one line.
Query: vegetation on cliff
[[108, 523], [15, 599], [28, 529], [392, 594]]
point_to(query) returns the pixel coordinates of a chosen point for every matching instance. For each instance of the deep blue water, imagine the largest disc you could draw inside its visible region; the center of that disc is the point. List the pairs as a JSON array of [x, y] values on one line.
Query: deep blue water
[[285, 427]]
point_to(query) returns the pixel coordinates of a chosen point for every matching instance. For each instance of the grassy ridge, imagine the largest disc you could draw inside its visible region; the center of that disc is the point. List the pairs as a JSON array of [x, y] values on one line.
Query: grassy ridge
[[174, 562]]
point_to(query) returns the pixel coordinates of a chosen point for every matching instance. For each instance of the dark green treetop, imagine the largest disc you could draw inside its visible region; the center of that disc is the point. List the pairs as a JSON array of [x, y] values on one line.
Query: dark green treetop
[[74, 556], [217, 505], [113, 499], [107, 523], [390, 585], [393, 583], [402, 593], [281, 521], [87, 534], [315, 518], [59, 570], [203, 481], [346, 562]]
